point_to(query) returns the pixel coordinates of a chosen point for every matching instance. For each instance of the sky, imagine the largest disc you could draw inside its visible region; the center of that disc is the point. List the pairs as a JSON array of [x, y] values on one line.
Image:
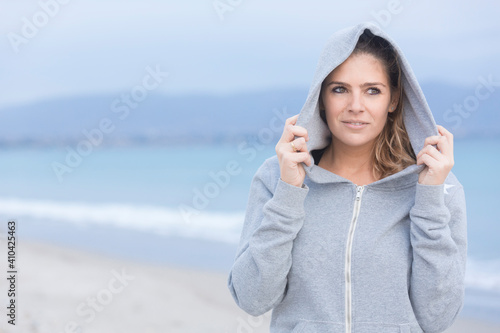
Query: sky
[[56, 48]]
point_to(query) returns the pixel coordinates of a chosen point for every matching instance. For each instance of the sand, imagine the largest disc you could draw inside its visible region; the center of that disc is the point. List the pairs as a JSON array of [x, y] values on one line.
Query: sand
[[63, 290]]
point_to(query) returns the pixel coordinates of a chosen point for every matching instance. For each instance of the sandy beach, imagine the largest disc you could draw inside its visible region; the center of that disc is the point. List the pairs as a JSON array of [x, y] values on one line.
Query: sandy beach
[[63, 290]]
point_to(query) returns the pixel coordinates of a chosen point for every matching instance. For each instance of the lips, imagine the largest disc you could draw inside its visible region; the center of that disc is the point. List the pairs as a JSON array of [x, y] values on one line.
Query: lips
[[355, 124]]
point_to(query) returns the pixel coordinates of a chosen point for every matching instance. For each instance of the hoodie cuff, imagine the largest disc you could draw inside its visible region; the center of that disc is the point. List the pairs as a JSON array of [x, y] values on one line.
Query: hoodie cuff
[[429, 197], [290, 197]]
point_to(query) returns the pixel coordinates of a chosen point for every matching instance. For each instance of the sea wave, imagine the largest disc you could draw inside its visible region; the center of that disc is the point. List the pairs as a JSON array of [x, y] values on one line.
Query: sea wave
[[213, 226], [220, 227], [483, 274]]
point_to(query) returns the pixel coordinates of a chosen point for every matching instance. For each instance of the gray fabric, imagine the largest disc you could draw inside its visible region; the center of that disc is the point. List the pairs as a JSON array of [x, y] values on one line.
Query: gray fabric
[[409, 248]]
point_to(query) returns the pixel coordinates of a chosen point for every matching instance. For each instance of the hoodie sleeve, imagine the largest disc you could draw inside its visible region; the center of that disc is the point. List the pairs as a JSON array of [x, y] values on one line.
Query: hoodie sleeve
[[273, 218], [439, 240]]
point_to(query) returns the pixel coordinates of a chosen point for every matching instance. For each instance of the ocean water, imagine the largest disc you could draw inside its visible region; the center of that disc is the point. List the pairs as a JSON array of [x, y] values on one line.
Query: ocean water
[[195, 197]]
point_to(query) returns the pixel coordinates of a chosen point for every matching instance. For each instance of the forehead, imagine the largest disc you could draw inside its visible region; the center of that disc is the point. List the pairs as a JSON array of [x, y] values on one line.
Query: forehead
[[361, 67]]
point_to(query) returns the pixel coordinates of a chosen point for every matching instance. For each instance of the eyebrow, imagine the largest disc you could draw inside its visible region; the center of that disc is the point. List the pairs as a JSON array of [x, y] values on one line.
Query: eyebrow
[[363, 85]]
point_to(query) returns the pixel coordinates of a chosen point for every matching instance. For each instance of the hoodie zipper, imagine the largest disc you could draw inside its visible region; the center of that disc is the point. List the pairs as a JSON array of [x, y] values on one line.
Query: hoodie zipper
[[350, 237]]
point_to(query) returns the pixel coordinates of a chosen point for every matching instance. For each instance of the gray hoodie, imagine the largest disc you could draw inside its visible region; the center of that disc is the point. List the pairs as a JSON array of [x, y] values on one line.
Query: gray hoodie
[[336, 257]]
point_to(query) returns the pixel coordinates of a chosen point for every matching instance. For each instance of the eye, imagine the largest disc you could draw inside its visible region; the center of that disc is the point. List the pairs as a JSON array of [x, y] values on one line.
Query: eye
[[339, 90], [373, 91]]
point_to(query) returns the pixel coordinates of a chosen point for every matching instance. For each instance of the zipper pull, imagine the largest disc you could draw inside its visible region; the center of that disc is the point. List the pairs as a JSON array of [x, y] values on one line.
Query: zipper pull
[[359, 190]]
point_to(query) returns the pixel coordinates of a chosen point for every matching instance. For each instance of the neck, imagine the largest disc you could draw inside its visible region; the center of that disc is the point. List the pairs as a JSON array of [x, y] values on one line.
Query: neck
[[353, 163]]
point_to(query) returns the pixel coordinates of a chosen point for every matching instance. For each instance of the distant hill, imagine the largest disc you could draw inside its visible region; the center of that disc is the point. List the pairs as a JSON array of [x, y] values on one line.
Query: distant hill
[[190, 118], [204, 118]]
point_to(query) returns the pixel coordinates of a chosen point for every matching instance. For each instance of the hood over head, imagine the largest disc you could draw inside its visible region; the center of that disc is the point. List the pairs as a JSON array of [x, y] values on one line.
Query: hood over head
[[417, 115]]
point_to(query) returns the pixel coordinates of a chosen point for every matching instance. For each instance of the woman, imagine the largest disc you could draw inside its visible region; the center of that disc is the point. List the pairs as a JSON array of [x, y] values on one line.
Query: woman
[[357, 225]]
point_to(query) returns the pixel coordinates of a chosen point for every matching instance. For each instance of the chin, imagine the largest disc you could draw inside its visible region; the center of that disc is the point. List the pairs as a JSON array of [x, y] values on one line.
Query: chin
[[356, 141]]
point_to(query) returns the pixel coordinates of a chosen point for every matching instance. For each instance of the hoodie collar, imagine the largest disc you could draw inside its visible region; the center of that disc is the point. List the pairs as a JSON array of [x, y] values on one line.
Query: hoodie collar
[[401, 179]]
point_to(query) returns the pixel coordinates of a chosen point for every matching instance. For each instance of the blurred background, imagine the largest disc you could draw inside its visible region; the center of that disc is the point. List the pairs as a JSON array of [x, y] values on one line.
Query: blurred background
[[132, 129]]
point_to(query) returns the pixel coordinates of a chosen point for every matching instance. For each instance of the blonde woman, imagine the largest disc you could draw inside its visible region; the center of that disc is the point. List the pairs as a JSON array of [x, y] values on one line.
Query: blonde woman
[[357, 224]]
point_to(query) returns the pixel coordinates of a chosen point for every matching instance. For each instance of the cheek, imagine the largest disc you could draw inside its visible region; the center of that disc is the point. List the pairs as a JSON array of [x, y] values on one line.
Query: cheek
[[335, 105], [382, 112], [378, 110]]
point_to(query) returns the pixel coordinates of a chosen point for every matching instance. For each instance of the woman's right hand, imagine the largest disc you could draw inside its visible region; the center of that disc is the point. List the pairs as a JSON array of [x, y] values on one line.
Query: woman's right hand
[[290, 159]]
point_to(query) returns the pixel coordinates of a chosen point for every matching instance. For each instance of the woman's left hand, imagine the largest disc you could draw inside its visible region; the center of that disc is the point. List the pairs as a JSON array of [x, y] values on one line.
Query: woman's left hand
[[438, 160]]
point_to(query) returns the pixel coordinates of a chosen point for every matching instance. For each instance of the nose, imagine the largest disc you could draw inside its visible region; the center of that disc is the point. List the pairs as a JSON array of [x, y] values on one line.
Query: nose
[[356, 103]]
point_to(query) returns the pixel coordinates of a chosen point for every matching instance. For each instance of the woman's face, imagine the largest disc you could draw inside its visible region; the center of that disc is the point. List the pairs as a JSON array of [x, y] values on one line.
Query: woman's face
[[356, 98]]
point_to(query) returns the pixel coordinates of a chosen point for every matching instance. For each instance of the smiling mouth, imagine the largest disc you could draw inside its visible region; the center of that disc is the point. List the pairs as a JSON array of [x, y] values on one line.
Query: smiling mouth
[[355, 123]]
